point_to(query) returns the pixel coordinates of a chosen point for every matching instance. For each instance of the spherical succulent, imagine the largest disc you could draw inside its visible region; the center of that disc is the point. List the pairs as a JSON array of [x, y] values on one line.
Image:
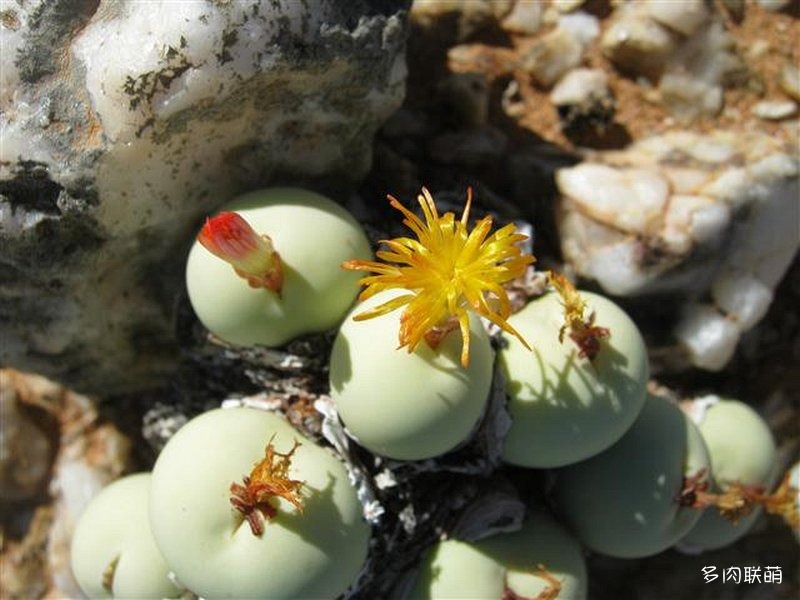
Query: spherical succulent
[[743, 455], [267, 268], [422, 404], [635, 499], [403, 405], [583, 385], [243, 506], [113, 551], [541, 560]]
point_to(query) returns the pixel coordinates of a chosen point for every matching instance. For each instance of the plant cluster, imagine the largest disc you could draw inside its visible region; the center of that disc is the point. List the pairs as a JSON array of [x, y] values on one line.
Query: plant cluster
[[411, 370]]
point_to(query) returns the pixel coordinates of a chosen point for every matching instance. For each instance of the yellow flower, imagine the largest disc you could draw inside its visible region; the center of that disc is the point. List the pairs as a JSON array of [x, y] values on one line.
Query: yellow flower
[[447, 272]]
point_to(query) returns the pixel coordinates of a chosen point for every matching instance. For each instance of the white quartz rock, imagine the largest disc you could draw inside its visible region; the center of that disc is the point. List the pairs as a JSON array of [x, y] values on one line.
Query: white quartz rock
[[568, 5], [743, 297], [693, 219], [773, 5], [775, 110], [553, 55], [583, 26], [679, 46], [689, 97], [684, 16], [708, 336], [637, 44], [580, 86], [630, 199], [726, 229], [790, 81], [525, 17], [696, 71]]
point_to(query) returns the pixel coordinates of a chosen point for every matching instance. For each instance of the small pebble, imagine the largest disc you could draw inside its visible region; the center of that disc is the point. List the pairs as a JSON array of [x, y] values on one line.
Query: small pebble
[[773, 5], [758, 48], [566, 6], [638, 45], [579, 86], [790, 81], [525, 18], [552, 56], [684, 17], [775, 110]]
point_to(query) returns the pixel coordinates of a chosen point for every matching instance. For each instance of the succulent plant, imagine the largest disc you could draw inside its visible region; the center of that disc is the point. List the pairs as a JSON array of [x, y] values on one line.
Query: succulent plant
[[541, 560], [634, 499], [423, 404], [402, 405], [266, 269], [113, 551], [243, 506], [581, 388], [743, 453]]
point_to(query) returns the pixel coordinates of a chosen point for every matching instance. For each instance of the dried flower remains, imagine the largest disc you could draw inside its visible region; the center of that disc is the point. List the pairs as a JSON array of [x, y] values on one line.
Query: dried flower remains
[[253, 257], [268, 481], [447, 272], [582, 330], [550, 592], [739, 500]]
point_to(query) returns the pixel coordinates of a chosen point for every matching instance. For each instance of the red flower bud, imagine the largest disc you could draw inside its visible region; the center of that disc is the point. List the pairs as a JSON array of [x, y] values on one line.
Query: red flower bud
[[253, 257]]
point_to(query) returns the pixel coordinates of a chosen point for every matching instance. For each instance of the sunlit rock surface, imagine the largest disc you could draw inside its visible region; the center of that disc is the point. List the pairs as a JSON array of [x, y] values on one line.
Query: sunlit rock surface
[[123, 123], [709, 218]]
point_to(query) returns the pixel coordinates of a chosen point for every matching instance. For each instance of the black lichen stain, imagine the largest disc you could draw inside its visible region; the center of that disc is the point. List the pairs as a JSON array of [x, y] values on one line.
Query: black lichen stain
[[66, 229], [145, 86], [229, 39], [31, 188]]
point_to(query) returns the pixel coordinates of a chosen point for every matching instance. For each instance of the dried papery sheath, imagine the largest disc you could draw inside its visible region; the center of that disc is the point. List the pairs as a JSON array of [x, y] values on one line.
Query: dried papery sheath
[[582, 329], [447, 272], [253, 257], [739, 500], [551, 591]]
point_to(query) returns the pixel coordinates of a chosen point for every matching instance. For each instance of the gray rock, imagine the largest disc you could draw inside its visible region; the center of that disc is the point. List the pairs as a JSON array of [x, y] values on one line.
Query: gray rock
[[124, 123]]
